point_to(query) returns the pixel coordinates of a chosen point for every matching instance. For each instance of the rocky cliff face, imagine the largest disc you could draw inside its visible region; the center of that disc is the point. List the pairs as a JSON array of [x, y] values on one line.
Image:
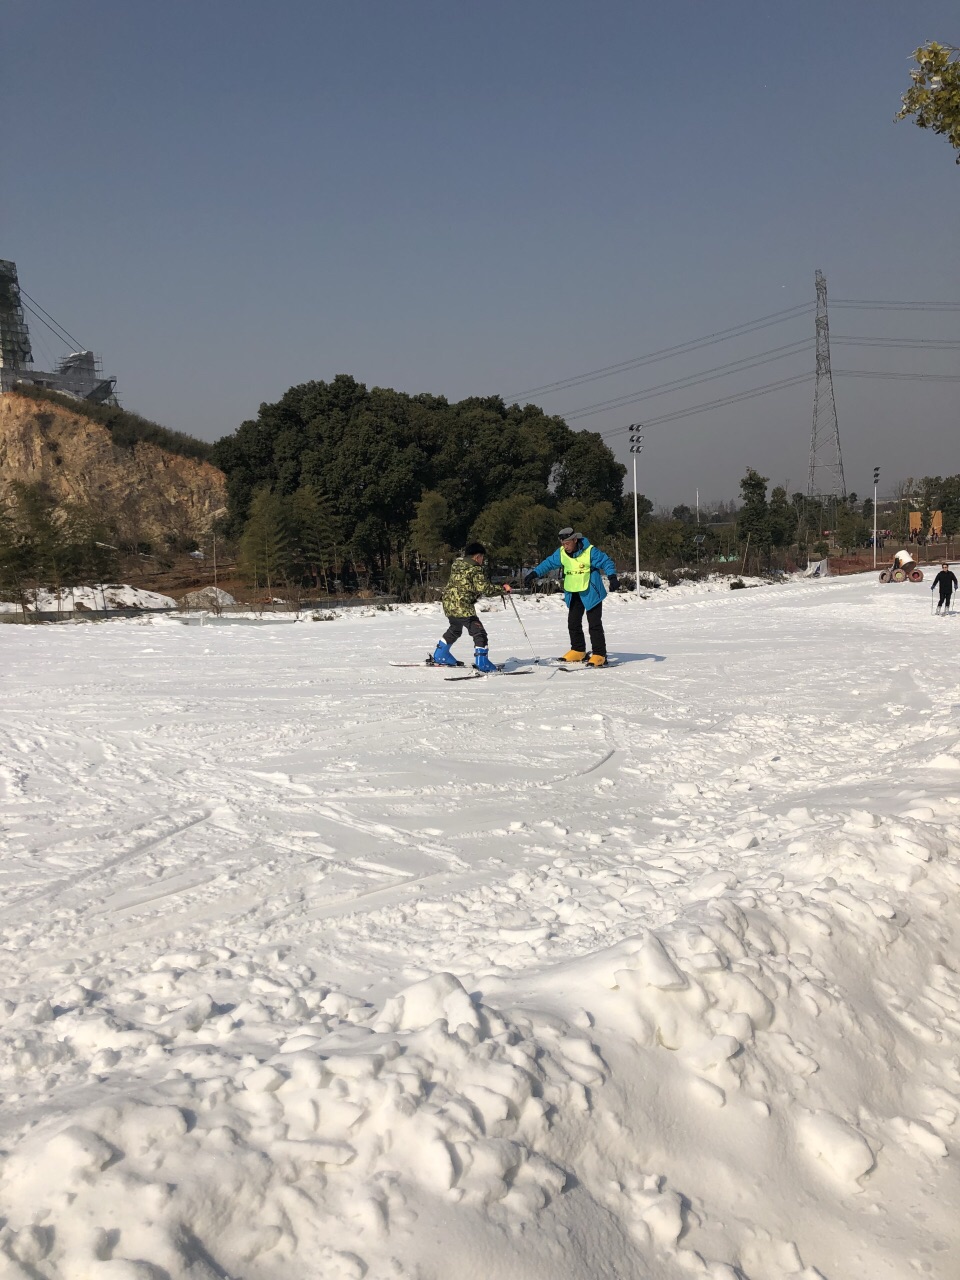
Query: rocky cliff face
[[143, 492]]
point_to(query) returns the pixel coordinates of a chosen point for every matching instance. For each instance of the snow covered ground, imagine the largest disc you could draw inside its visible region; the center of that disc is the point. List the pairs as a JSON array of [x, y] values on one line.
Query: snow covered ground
[[314, 966]]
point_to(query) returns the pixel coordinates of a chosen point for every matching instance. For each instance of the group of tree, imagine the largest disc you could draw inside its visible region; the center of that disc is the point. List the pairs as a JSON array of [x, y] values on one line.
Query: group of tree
[[43, 544], [814, 526], [799, 523], [336, 478], [336, 485], [925, 496]]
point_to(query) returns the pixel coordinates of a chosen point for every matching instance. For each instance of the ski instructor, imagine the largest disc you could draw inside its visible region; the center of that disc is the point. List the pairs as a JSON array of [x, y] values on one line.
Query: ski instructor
[[583, 587]]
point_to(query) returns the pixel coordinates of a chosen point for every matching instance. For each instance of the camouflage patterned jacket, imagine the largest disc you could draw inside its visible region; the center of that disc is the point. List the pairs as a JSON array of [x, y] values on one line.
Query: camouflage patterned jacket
[[467, 583]]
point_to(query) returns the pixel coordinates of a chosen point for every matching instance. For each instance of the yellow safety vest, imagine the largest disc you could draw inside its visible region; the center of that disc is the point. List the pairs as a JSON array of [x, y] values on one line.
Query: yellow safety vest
[[576, 570]]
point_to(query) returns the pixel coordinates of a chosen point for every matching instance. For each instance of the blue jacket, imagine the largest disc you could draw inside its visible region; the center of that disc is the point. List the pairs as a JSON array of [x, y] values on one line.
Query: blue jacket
[[600, 562]]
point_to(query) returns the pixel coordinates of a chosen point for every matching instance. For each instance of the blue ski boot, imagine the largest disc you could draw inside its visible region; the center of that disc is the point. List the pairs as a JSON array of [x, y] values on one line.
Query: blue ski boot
[[481, 662], [442, 657]]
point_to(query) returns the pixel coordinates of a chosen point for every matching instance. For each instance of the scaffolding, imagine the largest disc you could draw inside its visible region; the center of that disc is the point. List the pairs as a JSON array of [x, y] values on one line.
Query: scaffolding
[[15, 353], [78, 374]]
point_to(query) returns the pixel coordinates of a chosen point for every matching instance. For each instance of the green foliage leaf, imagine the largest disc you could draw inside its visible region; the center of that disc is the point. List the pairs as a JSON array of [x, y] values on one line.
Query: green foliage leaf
[[402, 473], [933, 98]]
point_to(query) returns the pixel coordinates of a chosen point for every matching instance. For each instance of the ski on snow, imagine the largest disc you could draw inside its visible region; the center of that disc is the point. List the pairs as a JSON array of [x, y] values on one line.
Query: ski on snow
[[559, 664], [426, 663], [585, 666], [482, 675], [547, 664]]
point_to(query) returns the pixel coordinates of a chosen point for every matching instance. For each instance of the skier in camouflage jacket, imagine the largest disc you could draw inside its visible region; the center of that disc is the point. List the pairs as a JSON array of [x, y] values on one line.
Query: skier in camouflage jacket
[[467, 583]]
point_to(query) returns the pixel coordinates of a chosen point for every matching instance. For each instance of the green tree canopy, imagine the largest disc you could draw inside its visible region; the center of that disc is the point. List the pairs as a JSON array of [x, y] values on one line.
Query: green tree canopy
[[782, 518], [376, 453], [754, 518], [267, 553], [43, 544], [516, 530], [933, 98], [950, 505], [428, 532]]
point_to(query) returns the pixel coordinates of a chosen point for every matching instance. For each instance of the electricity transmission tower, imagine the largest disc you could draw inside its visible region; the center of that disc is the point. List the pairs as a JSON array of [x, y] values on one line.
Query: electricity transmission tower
[[826, 461]]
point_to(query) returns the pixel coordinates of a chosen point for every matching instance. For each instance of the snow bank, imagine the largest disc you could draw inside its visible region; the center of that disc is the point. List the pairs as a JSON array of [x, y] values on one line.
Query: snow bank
[[789, 1036], [107, 596]]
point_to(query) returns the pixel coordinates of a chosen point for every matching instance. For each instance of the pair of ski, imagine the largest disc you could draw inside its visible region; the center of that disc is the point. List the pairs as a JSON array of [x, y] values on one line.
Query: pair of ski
[[553, 664], [561, 664], [473, 675]]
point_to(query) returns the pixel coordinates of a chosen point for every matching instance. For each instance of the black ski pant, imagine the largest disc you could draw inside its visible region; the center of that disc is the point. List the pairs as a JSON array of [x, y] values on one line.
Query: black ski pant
[[598, 641], [946, 595], [474, 628]]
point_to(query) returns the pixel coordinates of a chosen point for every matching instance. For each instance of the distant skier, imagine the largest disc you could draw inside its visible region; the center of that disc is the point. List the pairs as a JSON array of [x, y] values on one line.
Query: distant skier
[[946, 580], [467, 583], [582, 566]]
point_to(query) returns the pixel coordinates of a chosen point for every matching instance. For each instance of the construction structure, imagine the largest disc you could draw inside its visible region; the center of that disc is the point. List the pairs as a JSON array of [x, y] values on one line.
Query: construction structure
[[826, 461], [77, 374]]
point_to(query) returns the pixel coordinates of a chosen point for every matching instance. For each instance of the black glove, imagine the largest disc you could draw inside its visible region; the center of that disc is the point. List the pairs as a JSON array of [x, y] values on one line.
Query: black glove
[[614, 583], [530, 579]]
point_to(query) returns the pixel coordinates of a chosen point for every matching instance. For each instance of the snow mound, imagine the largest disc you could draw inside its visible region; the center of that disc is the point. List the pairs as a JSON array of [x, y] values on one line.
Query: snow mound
[[107, 596], [299, 1123], [206, 598]]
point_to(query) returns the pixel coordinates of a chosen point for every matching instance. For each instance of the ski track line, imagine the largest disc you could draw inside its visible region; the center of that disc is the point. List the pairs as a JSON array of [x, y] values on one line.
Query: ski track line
[[70, 882]]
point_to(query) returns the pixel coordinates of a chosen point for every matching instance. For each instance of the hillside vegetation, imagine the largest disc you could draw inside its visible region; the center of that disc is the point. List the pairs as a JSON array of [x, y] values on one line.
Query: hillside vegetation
[[64, 472], [127, 429]]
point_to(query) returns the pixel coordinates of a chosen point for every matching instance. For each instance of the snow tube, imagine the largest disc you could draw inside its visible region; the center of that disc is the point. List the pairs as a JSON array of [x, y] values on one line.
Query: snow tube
[[916, 575], [885, 575], [898, 575]]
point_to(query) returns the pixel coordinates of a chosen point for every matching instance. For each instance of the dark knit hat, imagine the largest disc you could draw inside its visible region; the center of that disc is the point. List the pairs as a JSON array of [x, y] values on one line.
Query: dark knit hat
[[475, 549]]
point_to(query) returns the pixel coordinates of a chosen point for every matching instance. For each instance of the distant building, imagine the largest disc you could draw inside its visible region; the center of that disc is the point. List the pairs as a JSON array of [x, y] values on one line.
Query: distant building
[[77, 374]]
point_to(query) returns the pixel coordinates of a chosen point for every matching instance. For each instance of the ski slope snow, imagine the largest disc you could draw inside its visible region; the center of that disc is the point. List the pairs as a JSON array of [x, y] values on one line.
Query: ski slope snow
[[314, 966]]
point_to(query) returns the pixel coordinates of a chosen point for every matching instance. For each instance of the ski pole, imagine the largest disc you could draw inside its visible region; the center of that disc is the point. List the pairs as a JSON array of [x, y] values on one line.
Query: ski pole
[[523, 628]]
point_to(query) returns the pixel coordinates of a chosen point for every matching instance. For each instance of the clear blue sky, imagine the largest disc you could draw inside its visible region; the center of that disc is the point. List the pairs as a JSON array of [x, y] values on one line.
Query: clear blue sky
[[226, 198]]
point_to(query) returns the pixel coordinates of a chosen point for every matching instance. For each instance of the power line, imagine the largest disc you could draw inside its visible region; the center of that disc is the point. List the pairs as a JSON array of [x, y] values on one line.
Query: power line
[[933, 344], [873, 373], [716, 404], [77, 346], [38, 317], [871, 305], [747, 362], [692, 380], [775, 386], [721, 335]]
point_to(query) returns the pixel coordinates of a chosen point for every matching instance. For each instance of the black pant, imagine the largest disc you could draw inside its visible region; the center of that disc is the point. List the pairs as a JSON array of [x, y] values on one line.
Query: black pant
[[598, 641], [474, 628], [946, 595]]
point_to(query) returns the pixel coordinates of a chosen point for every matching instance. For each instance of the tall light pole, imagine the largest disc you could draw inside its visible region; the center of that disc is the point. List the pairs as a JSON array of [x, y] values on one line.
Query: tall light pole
[[876, 481], [636, 447]]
